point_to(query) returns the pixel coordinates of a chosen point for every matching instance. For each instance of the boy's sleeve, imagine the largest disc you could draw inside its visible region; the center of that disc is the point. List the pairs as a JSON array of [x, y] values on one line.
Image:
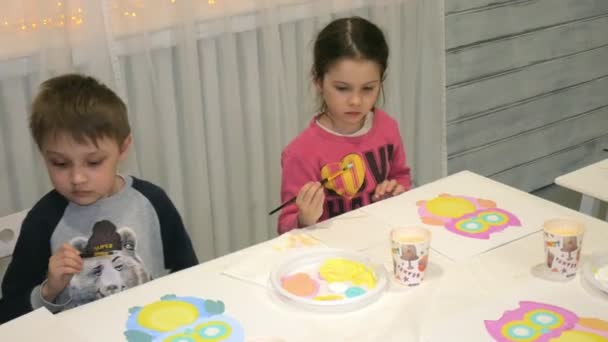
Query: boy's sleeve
[[27, 269], [177, 247], [295, 173], [399, 170]]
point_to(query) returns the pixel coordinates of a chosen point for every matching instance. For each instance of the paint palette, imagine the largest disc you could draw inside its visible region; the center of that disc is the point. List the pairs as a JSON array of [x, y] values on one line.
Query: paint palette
[[595, 271], [329, 280]]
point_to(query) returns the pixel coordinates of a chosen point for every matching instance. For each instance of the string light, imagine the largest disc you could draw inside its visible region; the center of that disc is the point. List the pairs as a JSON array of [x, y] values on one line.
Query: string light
[[22, 25], [63, 18]]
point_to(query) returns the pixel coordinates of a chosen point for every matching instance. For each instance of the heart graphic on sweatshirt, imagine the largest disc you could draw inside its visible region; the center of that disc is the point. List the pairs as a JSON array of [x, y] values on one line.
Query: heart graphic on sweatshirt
[[350, 181]]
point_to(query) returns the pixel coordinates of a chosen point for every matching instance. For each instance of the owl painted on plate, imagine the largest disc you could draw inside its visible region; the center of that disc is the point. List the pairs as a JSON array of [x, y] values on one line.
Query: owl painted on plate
[[182, 319], [534, 321], [467, 216]]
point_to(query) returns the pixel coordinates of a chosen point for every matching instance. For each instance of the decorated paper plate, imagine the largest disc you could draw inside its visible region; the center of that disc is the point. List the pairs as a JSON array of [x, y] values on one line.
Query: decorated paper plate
[[595, 271], [329, 280], [177, 319]]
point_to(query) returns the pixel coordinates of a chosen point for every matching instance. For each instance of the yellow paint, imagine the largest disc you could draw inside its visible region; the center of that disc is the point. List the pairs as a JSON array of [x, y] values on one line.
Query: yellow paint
[[343, 270], [167, 315], [329, 297], [578, 336], [450, 207]]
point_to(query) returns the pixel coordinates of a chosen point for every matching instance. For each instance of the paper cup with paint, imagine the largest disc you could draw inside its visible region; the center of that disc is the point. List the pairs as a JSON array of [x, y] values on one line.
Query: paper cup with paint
[[563, 239], [410, 251]]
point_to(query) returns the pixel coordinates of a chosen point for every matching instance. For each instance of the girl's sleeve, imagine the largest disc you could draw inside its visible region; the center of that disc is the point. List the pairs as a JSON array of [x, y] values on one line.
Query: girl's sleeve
[[295, 173], [399, 170]]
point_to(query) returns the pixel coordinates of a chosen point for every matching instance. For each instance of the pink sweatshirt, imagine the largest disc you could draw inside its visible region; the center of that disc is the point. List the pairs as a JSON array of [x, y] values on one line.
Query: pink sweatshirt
[[315, 154]]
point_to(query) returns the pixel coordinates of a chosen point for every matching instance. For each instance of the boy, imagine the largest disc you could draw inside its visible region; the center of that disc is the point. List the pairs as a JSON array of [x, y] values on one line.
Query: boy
[[97, 232]]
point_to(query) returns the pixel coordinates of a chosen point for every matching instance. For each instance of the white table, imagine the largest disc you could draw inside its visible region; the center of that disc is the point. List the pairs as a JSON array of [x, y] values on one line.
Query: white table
[[592, 182], [450, 290], [38, 325]]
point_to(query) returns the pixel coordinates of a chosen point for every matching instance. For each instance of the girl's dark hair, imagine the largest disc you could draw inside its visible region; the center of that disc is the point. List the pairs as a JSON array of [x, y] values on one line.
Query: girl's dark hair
[[353, 37]]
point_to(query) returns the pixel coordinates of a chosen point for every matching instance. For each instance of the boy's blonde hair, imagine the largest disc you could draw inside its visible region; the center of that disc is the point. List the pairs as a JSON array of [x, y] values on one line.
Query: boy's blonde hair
[[80, 106]]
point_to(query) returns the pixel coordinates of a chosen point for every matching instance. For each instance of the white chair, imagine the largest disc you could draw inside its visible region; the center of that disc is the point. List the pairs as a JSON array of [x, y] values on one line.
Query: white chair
[[10, 226]]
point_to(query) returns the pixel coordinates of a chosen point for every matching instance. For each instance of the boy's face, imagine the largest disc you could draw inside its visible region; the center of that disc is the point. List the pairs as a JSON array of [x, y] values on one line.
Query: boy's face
[[82, 172]]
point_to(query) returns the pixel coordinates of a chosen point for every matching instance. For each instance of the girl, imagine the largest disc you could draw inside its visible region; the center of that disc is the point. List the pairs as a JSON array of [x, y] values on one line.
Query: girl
[[352, 143]]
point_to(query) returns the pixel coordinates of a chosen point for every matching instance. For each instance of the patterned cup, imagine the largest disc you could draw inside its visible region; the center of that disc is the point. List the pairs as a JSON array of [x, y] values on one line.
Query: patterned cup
[[410, 250], [563, 239]]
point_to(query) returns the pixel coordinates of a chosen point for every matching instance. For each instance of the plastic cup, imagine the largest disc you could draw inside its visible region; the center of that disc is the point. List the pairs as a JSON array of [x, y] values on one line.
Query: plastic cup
[[563, 239], [410, 250]]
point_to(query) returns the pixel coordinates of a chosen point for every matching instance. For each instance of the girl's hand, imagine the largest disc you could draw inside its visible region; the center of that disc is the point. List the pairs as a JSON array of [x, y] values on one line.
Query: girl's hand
[[310, 201], [387, 189], [62, 266]]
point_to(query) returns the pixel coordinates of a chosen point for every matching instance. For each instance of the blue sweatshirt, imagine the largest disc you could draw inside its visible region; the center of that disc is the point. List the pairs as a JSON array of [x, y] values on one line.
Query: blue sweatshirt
[[125, 240]]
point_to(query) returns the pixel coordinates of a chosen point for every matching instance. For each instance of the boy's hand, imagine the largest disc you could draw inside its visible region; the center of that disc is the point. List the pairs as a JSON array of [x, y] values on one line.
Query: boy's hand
[[386, 189], [310, 201], [62, 266]]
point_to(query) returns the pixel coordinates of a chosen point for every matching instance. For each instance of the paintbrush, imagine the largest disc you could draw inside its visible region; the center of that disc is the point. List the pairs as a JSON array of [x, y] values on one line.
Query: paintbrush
[[323, 181]]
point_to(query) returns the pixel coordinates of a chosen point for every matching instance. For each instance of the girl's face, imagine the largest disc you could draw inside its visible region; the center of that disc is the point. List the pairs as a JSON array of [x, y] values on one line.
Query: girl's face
[[350, 89]]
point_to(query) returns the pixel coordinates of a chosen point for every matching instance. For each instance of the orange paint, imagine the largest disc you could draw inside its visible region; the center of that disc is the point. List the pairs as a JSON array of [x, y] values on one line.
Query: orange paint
[[594, 323], [300, 284]]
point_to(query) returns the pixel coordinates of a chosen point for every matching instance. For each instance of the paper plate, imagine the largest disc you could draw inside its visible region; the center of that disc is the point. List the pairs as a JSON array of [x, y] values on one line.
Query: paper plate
[[595, 271], [329, 280]]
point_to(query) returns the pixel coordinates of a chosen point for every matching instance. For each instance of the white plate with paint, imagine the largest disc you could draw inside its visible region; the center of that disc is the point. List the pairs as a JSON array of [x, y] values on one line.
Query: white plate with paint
[[329, 280], [595, 271]]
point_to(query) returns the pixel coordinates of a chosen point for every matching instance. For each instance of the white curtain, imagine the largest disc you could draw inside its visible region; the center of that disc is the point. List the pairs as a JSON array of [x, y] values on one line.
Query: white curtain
[[215, 90]]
